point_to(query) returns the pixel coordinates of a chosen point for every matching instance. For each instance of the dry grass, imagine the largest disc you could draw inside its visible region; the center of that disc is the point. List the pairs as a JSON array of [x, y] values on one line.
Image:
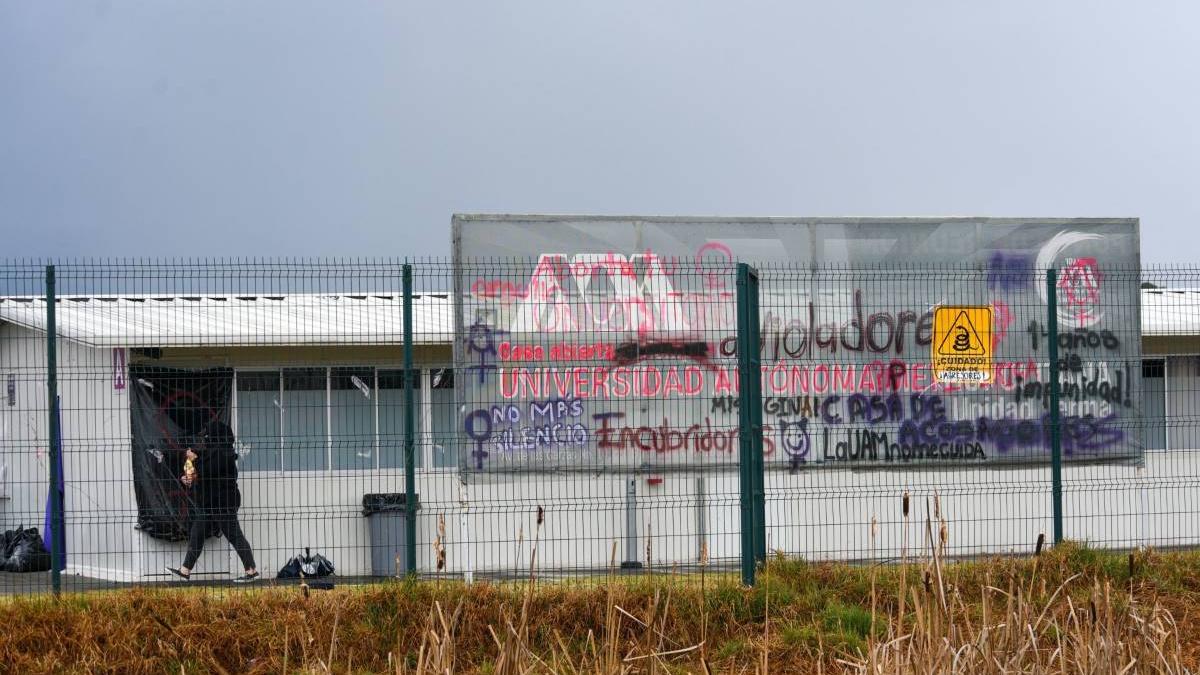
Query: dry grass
[[1071, 609]]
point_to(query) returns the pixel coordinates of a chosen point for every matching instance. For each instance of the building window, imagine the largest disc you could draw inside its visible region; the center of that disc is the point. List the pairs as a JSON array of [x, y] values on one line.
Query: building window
[[258, 420], [313, 419], [1154, 404], [305, 428], [352, 400], [391, 419], [444, 431]]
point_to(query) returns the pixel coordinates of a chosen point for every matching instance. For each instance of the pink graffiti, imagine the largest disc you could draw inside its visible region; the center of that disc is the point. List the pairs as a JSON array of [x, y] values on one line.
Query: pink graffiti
[[713, 279], [1002, 318], [1080, 285]]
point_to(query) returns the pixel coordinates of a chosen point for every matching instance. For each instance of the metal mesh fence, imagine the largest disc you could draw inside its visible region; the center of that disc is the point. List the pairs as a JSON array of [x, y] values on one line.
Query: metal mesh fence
[[976, 455], [554, 406]]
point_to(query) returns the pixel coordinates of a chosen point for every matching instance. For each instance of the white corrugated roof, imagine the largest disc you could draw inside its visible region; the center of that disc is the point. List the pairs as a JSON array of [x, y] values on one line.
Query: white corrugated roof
[[311, 319], [247, 320], [1170, 311]]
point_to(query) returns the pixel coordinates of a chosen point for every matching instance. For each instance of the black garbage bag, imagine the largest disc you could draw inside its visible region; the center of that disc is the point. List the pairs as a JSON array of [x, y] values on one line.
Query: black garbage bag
[[24, 551], [168, 408], [308, 564], [6, 539]]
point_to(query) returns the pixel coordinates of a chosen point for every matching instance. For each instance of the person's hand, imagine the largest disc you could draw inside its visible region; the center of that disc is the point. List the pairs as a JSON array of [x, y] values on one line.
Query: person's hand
[[190, 454], [187, 480]]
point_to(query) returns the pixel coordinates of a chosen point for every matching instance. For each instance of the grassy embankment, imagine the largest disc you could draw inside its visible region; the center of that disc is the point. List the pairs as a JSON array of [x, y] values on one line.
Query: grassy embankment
[[1071, 609]]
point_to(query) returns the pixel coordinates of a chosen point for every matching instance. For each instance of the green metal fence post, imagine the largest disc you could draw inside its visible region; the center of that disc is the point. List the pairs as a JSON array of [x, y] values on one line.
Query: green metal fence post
[[57, 521], [1055, 414], [750, 461], [756, 422], [410, 467]]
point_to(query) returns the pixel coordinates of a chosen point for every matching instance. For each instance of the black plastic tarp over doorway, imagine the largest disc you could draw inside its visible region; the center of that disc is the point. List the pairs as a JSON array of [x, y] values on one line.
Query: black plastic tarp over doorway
[[168, 408]]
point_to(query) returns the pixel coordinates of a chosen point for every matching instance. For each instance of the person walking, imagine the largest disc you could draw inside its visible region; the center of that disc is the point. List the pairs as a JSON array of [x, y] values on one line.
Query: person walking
[[212, 469]]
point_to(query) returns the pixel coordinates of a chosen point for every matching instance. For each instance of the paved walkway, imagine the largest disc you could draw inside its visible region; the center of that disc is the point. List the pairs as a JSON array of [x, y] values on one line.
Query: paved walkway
[[34, 583], [31, 583]]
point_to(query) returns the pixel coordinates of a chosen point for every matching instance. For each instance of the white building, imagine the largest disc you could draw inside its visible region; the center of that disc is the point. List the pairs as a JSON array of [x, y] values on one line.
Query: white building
[[303, 484]]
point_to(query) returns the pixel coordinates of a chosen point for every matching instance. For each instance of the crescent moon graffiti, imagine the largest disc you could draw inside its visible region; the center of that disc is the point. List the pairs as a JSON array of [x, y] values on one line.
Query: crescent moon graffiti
[[1046, 257]]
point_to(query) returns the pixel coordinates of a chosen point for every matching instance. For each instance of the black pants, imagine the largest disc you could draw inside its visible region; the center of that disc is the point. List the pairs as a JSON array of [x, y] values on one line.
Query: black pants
[[225, 518]]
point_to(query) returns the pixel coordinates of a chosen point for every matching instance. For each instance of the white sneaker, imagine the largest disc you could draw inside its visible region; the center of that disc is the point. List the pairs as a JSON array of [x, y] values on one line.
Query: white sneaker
[[176, 571]]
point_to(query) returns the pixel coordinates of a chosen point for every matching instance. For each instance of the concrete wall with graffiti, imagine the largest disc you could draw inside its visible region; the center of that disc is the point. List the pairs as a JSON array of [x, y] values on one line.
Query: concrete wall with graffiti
[[602, 344]]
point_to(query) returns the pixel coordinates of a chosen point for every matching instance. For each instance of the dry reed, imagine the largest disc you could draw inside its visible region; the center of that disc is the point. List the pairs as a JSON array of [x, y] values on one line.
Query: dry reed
[[1070, 609]]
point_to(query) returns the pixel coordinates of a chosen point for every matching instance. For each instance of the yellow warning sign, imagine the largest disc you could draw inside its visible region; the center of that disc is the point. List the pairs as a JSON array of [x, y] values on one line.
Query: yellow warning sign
[[962, 344]]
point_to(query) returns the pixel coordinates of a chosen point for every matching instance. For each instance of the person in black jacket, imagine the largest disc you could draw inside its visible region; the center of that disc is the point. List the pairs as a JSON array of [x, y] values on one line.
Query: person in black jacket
[[217, 499]]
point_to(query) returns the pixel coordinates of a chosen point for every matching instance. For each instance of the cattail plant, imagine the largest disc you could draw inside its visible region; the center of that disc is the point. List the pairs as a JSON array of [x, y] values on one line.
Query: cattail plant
[[703, 560], [439, 548], [649, 549], [520, 543], [537, 535], [874, 569], [904, 502]]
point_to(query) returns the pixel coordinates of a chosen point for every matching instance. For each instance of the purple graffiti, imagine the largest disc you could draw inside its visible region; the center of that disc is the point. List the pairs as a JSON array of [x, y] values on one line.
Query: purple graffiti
[[1008, 272], [479, 434], [793, 437], [481, 340]]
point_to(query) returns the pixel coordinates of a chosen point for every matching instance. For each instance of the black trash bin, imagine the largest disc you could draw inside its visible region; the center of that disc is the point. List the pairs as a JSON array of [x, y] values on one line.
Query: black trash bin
[[387, 522]]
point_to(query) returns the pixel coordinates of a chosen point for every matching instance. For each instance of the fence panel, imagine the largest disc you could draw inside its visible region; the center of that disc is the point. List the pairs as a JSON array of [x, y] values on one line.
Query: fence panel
[[580, 395], [1156, 504], [621, 453], [25, 449]]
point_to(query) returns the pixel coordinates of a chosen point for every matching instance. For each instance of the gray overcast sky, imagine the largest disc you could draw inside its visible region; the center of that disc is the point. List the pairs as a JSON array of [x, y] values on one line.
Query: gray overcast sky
[[357, 128]]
